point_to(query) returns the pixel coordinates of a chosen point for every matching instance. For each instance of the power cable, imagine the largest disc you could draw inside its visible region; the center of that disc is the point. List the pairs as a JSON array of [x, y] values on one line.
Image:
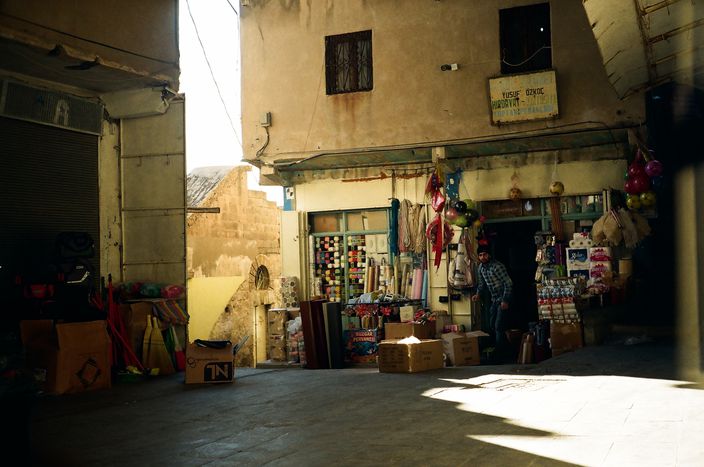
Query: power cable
[[212, 74], [233, 8]]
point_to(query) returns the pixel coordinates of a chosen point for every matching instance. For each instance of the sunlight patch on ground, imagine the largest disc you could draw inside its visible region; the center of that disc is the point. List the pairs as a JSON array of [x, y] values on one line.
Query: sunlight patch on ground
[[583, 420]]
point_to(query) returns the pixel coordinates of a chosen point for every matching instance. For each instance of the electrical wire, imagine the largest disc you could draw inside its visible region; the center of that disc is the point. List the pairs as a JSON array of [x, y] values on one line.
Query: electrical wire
[[233, 8], [527, 59], [212, 74]]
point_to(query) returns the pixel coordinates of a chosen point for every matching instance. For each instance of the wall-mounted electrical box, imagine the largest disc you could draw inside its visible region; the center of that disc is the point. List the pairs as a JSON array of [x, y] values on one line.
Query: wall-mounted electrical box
[[265, 119]]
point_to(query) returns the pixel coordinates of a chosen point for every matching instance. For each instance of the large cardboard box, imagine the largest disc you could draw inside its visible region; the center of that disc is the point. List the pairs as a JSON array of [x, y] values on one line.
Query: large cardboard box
[[395, 357], [209, 365], [68, 357], [462, 348], [400, 330], [565, 337]]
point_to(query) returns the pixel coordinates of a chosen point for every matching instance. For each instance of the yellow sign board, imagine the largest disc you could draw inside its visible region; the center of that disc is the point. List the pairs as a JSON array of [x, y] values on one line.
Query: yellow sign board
[[518, 98]]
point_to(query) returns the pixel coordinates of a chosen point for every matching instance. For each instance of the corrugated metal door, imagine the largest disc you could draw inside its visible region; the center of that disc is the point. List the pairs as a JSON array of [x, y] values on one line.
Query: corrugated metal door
[[153, 164], [48, 184]]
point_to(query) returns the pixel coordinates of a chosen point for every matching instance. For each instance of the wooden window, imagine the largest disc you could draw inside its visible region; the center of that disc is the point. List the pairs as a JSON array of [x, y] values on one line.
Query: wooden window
[[525, 38], [348, 62]]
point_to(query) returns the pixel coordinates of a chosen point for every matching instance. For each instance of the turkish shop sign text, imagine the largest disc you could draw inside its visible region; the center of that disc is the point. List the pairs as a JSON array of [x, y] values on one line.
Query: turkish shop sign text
[[529, 96]]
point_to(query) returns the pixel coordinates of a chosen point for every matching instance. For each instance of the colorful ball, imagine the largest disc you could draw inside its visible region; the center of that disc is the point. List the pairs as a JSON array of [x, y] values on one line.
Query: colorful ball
[[472, 215], [654, 168], [451, 215], [648, 198], [641, 183], [635, 169], [633, 202], [460, 206], [462, 221], [628, 187]]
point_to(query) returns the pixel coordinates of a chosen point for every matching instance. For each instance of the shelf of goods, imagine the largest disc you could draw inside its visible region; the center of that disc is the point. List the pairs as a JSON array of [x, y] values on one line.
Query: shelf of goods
[[558, 299], [356, 260], [330, 266]]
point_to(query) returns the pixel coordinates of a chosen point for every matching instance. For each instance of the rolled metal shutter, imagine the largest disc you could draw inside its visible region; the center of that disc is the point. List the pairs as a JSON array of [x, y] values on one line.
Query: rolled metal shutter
[[48, 185]]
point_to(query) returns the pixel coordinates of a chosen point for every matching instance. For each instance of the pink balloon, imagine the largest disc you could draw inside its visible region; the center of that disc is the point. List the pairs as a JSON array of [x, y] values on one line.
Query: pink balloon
[[654, 168], [451, 214]]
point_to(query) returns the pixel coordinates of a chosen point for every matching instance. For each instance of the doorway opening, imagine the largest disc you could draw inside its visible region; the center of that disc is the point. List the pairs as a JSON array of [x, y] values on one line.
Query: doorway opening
[[512, 243]]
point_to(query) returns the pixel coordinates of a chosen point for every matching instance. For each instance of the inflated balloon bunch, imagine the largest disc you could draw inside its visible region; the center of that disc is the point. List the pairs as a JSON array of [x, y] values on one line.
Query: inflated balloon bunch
[[643, 175], [463, 213]]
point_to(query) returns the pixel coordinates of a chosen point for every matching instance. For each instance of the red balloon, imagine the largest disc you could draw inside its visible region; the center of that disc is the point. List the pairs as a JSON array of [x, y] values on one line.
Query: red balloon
[[628, 187], [641, 183], [653, 168], [635, 169]]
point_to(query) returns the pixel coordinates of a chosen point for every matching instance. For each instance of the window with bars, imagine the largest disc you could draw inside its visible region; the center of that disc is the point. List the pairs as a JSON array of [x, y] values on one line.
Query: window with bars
[[525, 38], [348, 62]]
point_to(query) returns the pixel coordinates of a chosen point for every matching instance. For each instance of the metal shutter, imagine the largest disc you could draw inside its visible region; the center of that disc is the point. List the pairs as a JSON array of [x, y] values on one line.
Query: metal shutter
[[48, 184]]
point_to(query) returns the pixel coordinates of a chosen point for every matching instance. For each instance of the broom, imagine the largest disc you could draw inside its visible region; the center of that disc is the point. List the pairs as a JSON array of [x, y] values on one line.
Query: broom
[[146, 341], [179, 354], [158, 356]]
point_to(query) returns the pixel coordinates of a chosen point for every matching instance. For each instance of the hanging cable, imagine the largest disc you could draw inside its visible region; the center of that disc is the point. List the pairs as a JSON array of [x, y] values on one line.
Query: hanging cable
[[217, 87], [527, 59]]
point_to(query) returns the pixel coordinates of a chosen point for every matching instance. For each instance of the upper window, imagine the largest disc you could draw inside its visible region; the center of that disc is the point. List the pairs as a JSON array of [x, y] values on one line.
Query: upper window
[[348, 62], [525, 38]]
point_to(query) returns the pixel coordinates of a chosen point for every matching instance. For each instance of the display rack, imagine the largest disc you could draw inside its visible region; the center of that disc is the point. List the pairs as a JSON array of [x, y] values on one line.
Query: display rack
[[330, 266], [356, 260]]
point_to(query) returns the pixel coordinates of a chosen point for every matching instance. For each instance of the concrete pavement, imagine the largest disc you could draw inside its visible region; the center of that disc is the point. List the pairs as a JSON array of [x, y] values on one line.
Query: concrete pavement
[[612, 405]]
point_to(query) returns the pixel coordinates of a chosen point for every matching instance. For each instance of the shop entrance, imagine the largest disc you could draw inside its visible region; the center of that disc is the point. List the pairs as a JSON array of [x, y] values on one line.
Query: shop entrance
[[512, 244]]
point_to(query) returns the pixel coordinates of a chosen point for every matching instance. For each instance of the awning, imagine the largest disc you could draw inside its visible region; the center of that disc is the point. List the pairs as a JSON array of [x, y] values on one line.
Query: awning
[[645, 43]]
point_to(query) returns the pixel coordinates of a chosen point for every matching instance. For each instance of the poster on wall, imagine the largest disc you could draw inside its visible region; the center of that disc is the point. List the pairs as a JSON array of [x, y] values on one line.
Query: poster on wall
[[523, 97]]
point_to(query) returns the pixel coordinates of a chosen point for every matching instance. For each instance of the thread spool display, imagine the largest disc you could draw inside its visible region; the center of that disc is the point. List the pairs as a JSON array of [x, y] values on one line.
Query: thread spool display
[[330, 266]]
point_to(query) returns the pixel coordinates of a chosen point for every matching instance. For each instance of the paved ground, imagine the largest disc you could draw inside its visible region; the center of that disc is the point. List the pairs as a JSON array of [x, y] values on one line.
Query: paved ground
[[613, 405]]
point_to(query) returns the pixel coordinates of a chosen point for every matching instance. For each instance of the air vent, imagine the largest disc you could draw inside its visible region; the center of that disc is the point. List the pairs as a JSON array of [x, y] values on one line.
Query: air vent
[[50, 108]]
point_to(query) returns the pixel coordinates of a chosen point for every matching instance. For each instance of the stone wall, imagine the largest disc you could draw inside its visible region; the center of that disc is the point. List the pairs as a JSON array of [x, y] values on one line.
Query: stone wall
[[244, 235]]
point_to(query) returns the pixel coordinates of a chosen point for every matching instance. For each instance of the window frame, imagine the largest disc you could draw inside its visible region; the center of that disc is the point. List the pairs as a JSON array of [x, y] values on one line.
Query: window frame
[[515, 31], [334, 64]]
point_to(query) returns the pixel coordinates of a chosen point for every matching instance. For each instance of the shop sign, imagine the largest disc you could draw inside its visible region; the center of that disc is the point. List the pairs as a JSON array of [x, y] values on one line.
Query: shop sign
[[528, 96]]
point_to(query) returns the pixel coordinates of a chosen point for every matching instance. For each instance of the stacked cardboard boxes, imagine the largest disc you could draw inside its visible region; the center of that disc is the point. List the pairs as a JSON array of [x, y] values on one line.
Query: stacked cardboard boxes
[[396, 355], [277, 318]]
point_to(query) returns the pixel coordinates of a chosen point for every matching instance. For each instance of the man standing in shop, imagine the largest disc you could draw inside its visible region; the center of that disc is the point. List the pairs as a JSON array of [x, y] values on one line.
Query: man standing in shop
[[494, 278]]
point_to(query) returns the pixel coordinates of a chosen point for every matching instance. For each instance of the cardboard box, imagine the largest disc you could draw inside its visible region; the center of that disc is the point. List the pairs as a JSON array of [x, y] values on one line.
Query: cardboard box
[[277, 318], [68, 357], [565, 337], [462, 348], [401, 330], [410, 358], [209, 365]]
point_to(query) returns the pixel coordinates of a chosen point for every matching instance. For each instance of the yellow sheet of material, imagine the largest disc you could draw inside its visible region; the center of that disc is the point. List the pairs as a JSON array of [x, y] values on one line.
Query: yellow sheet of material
[[207, 299]]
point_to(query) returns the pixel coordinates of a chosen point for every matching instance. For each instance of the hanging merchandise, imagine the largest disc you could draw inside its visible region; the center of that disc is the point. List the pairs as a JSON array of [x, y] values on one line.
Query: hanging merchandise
[[440, 234], [393, 227], [404, 227], [514, 193], [643, 176], [438, 230], [420, 222], [461, 269]]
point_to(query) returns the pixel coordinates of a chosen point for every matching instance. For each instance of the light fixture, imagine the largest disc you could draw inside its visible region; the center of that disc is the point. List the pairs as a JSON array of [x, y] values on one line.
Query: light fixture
[[449, 67]]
